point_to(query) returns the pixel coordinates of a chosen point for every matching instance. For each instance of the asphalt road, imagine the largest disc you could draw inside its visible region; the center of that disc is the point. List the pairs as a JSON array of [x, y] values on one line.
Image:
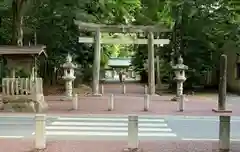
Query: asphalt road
[[201, 128], [115, 128]]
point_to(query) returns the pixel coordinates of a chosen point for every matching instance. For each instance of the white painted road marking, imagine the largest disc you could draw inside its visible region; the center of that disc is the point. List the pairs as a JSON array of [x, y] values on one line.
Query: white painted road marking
[[107, 126], [202, 119], [107, 119], [11, 137], [205, 139], [62, 133], [104, 128], [118, 124]]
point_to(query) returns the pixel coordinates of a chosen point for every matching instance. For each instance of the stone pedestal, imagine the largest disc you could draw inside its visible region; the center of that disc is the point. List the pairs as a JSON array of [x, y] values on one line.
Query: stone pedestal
[[69, 88], [179, 89]]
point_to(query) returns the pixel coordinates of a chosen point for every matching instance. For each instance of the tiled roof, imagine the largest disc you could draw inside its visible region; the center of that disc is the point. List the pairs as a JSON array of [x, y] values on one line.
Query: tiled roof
[[33, 50], [119, 62]]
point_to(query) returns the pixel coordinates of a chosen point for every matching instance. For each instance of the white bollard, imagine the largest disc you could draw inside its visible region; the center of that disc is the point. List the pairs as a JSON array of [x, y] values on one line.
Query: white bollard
[[123, 89], [75, 102], [40, 132], [146, 102], [181, 103], [111, 103], [224, 133], [133, 132], [145, 89], [102, 89]]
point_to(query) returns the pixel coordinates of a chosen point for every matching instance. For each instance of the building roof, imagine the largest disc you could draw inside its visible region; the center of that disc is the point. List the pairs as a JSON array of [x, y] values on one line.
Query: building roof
[[24, 50], [119, 62]]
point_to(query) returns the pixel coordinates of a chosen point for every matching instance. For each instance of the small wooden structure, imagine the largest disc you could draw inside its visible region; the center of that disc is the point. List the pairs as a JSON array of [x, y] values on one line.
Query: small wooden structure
[[25, 58], [20, 92]]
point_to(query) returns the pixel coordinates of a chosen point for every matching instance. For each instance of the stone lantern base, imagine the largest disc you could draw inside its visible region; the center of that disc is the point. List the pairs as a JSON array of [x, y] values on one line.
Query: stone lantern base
[[66, 98], [177, 98], [216, 110], [96, 95]]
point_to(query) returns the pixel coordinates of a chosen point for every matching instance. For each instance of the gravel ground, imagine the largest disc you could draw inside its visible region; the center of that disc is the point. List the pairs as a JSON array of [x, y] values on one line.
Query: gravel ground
[[18, 145]]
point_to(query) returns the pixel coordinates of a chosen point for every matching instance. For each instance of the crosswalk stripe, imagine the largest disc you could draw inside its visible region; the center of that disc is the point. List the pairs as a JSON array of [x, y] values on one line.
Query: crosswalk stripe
[[105, 124], [11, 137], [108, 119], [105, 128], [62, 133]]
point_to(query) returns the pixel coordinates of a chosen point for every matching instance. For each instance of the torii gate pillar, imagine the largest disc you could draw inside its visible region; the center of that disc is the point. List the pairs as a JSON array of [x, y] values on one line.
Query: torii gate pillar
[[151, 70], [96, 63]]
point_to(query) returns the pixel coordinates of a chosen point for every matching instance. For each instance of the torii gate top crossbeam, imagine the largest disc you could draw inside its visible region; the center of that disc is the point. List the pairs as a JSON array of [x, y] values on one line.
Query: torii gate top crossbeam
[[120, 28]]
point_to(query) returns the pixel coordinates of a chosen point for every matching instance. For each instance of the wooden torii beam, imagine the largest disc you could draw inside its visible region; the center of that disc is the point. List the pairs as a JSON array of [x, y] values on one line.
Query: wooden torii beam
[[97, 40], [125, 40], [121, 28]]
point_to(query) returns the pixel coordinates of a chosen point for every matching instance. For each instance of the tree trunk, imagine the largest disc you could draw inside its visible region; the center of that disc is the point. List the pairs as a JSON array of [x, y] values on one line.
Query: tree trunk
[[14, 22], [17, 22]]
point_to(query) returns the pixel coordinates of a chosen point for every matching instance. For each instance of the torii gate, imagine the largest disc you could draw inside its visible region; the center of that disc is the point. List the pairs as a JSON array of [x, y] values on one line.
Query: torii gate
[[98, 28]]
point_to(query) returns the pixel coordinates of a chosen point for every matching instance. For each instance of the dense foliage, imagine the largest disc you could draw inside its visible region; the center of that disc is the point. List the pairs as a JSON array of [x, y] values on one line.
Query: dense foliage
[[200, 27]]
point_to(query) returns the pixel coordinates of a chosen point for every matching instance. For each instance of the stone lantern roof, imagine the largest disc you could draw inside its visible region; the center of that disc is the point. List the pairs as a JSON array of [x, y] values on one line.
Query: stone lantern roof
[[69, 64], [180, 65]]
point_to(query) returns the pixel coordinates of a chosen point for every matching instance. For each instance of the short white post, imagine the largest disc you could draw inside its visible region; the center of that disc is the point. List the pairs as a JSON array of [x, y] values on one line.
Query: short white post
[[111, 103], [181, 103], [75, 102], [123, 88], [224, 133], [40, 132], [102, 89], [133, 132], [146, 102], [145, 89]]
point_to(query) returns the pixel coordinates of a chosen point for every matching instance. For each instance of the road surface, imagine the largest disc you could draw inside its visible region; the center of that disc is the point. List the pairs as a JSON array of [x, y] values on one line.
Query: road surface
[[115, 128]]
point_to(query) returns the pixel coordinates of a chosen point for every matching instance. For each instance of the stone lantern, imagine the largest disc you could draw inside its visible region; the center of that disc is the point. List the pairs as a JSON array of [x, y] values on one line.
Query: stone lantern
[[69, 75], [179, 70]]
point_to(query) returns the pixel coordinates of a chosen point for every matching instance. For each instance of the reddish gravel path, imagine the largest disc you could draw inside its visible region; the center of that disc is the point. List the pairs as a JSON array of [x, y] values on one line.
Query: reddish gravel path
[[160, 105], [132, 103], [115, 146]]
